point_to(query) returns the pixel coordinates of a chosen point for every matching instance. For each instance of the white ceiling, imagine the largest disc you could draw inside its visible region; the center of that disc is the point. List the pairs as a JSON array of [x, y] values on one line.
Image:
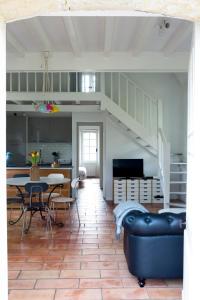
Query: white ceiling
[[98, 34]]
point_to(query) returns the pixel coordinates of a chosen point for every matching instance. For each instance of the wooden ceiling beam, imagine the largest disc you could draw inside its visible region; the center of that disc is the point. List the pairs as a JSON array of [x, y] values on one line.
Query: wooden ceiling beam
[[42, 34], [177, 38], [110, 24], [143, 34], [19, 48], [73, 36]]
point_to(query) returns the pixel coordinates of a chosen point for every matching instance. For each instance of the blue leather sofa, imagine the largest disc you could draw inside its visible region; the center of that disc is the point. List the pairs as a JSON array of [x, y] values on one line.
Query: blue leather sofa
[[153, 245]]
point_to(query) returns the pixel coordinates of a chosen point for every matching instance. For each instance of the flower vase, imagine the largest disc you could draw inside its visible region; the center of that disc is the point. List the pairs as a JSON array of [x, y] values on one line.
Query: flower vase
[[35, 173]]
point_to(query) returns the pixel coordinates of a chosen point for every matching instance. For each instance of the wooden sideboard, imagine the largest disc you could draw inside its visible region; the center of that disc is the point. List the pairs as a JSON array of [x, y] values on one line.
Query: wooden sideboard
[[66, 190]]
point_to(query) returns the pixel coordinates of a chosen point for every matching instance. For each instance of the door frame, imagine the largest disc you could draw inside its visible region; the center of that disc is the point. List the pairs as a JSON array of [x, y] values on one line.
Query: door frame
[[100, 125]]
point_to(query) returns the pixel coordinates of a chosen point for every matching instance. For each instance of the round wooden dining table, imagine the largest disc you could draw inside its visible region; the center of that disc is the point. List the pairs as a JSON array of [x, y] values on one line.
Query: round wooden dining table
[[21, 181]]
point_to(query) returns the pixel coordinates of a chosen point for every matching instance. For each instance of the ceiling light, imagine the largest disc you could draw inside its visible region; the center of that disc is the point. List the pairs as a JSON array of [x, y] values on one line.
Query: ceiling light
[[50, 105]]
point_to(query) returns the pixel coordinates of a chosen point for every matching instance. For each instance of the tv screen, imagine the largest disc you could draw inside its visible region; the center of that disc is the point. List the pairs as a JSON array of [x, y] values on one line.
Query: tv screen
[[128, 168]]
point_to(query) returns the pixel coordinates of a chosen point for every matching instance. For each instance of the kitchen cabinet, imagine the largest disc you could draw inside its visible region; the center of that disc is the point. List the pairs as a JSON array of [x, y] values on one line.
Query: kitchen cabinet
[[16, 137], [50, 130]]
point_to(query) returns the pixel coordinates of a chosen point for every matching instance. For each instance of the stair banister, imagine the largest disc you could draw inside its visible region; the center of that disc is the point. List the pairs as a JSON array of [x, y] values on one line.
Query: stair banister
[[164, 165], [102, 82]]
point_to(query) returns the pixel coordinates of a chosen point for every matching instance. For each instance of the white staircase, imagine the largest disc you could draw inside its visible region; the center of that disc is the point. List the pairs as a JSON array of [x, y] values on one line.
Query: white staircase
[[131, 106], [141, 115]]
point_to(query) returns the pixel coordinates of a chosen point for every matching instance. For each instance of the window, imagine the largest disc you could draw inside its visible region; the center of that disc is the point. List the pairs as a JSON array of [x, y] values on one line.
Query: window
[[89, 146], [88, 83]]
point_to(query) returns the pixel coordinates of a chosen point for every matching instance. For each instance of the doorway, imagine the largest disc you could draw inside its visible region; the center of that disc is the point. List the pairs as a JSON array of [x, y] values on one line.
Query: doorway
[[94, 170], [89, 157]]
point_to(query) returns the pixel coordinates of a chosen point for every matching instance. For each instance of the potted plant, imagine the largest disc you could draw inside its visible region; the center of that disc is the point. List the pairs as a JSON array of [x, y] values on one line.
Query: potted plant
[[35, 170]]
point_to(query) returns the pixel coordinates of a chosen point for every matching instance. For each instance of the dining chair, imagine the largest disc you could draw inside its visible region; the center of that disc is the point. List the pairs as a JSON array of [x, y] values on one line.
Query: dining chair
[[54, 194], [18, 199], [36, 190], [67, 200]]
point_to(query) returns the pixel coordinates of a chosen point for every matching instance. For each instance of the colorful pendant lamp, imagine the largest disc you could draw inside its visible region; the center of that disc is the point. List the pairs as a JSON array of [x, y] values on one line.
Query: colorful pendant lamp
[[46, 106]]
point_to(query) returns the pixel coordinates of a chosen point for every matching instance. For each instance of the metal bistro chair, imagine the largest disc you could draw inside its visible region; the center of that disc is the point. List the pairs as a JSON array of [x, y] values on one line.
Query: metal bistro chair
[[18, 199], [67, 200], [54, 194], [35, 190]]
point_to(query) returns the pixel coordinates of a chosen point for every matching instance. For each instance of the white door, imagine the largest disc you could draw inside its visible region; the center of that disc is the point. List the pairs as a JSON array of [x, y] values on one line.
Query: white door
[[89, 150]]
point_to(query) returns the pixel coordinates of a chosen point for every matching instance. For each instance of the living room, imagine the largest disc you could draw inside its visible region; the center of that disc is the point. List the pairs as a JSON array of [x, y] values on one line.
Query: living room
[[179, 81]]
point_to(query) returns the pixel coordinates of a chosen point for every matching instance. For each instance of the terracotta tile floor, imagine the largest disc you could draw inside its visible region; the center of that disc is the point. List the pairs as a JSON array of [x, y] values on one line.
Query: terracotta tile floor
[[86, 263]]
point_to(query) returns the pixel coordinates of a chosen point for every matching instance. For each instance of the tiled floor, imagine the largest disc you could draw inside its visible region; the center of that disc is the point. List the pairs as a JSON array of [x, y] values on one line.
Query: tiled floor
[[86, 263]]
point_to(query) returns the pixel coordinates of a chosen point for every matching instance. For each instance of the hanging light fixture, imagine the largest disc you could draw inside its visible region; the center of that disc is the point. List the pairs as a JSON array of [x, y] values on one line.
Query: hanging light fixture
[[48, 106]]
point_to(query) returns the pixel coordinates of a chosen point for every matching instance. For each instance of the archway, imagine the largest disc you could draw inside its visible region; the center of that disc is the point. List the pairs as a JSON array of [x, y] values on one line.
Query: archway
[[11, 10]]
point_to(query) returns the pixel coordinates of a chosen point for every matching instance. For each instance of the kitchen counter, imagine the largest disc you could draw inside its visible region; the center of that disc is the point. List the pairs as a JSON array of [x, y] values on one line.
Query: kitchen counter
[[66, 170], [41, 167], [47, 166]]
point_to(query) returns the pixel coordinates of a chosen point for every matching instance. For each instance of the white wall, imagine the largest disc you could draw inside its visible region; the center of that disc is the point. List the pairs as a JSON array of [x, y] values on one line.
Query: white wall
[[120, 145], [116, 143], [172, 90]]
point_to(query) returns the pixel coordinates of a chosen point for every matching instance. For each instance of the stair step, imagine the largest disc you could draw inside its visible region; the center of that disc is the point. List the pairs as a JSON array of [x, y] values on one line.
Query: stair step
[[178, 172], [177, 182], [178, 193], [178, 163], [178, 204]]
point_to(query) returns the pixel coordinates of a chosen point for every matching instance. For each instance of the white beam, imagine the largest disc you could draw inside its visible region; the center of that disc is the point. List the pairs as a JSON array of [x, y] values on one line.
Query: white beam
[[3, 202], [63, 108], [17, 102], [110, 24], [178, 36], [74, 40], [142, 35], [60, 96], [118, 62], [42, 34], [15, 44]]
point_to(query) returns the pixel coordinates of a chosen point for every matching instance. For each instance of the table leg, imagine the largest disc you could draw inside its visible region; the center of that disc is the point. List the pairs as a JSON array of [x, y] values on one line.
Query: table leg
[[22, 211]]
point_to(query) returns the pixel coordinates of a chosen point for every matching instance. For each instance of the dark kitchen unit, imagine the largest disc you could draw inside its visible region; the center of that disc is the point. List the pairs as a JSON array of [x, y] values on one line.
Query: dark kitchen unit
[[42, 133]]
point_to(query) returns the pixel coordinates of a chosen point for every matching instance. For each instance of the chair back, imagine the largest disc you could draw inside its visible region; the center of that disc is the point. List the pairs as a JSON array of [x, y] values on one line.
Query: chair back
[[34, 188], [74, 186], [56, 175]]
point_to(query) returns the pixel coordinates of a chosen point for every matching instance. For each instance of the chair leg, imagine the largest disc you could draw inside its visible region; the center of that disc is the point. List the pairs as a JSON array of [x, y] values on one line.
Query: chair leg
[[42, 217], [49, 226], [70, 217], [23, 224], [29, 223], [10, 214], [78, 214], [52, 209]]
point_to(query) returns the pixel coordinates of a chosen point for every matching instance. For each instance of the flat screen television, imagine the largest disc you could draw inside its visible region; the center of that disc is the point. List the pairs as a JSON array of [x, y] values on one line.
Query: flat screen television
[[128, 168]]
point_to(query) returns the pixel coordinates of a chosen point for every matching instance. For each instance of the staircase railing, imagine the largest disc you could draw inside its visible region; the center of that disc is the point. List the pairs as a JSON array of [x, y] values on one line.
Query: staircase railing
[[164, 165], [132, 99]]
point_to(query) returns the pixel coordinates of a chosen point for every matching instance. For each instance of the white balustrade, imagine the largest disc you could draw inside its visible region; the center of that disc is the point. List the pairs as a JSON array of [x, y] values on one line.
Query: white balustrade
[[132, 99]]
